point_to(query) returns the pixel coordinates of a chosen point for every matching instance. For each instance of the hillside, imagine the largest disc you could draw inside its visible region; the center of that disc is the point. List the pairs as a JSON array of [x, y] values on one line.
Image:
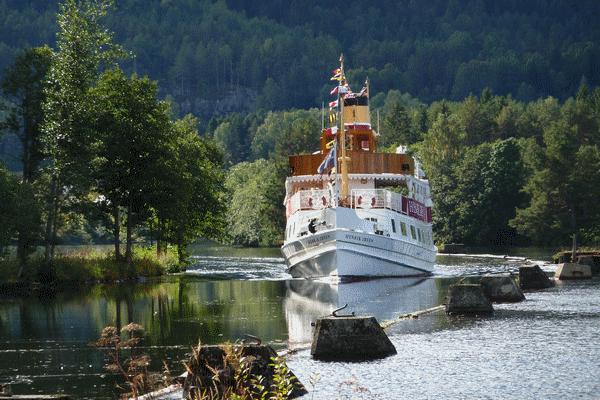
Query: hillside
[[217, 57]]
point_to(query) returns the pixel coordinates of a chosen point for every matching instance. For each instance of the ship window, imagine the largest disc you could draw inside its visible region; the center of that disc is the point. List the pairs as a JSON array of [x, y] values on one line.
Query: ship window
[[405, 167], [419, 234], [393, 225], [413, 233], [403, 228]]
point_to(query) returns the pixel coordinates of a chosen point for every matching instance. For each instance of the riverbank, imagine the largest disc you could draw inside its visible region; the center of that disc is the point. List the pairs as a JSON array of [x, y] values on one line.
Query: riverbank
[[518, 353], [85, 265]]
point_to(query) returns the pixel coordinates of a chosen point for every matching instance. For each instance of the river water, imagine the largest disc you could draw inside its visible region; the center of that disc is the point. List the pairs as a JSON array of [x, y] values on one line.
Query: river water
[[545, 347]]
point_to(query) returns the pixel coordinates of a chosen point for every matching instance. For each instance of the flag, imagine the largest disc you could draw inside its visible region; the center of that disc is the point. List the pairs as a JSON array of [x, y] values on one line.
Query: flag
[[333, 104], [330, 132], [339, 89], [337, 77], [363, 92], [332, 117], [328, 162], [336, 71], [329, 144]]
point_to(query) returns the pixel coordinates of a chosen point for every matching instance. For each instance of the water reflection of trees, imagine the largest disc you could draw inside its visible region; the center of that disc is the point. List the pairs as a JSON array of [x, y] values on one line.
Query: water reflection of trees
[[173, 311]]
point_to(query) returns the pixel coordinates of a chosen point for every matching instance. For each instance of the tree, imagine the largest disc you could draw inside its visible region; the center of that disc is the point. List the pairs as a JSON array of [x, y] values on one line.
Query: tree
[[132, 137], [84, 47], [397, 127], [19, 215], [233, 138], [24, 84], [285, 133], [255, 216], [489, 179], [193, 200]]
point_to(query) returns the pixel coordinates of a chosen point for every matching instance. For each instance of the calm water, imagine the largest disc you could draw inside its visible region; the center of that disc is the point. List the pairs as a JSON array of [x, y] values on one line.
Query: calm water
[[545, 347]]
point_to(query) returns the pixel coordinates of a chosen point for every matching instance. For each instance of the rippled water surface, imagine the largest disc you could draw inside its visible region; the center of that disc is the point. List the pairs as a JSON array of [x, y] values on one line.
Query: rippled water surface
[[545, 347]]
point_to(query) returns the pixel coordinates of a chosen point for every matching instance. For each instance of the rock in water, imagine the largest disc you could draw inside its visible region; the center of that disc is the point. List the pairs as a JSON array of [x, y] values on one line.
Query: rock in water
[[567, 271], [468, 299], [501, 289], [532, 277], [217, 369], [592, 261], [350, 338]]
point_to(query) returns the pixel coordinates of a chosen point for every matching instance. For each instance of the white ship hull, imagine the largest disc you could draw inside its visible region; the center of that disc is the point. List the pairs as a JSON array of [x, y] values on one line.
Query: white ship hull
[[342, 251]]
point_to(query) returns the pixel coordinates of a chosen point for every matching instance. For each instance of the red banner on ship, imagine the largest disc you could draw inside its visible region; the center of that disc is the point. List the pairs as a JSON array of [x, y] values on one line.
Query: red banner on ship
[[415, 209]]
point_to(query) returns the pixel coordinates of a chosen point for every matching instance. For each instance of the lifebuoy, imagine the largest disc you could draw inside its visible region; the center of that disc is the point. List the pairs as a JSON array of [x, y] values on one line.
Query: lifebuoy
[[369, 200]]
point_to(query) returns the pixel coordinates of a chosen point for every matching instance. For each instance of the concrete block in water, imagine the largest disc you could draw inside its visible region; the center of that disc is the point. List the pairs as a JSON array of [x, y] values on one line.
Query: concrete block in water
[[501, 289], [567, 271], [592, 261], [350, 338], [467, 299], [532, 277]]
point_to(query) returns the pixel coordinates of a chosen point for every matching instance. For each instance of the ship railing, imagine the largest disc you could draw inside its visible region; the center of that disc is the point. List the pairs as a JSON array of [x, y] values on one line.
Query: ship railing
[[312, 199], [382, 198], [378, 198]]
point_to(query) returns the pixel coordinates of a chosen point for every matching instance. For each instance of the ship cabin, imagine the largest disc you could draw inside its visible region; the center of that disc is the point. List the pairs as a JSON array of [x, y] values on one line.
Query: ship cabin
[[375, 180], [361, 145]]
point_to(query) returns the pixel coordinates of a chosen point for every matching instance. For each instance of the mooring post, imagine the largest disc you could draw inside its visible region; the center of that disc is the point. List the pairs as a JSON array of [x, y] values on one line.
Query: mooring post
[[574, 250]]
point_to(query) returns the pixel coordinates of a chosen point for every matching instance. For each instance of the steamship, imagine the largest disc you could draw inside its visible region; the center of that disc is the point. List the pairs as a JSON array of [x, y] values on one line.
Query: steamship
[[352, 211]]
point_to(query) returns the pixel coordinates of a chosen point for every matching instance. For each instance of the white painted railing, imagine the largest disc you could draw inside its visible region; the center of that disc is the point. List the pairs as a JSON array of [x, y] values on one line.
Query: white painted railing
[[377, 198], [313, 199]]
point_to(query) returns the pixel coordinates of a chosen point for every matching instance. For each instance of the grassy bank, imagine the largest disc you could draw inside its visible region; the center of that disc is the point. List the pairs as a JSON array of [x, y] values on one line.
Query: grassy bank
[[88, 265]]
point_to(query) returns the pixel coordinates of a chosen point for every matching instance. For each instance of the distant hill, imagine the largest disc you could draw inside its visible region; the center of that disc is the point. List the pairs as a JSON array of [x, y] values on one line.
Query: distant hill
[[235, 55]]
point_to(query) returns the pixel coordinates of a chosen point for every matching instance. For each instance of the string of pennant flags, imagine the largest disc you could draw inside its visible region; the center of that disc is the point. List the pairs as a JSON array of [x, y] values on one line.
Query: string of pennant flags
[[341, 91]]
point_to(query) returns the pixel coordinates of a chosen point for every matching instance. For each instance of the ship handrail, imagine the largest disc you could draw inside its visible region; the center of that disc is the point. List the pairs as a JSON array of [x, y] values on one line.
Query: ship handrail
[[386, 199], [318, 199], [309, 199]]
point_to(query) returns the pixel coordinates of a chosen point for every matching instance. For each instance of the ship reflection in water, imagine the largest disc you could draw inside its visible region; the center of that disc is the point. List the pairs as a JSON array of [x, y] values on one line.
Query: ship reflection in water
[[385, 299]]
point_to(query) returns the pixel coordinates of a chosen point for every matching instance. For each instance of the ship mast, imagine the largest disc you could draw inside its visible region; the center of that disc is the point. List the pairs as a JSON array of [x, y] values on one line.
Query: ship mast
[[343, 159]]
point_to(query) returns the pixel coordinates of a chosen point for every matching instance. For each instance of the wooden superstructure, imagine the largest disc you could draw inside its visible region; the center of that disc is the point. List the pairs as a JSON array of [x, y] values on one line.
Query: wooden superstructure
[[360, 141], [361, 162]]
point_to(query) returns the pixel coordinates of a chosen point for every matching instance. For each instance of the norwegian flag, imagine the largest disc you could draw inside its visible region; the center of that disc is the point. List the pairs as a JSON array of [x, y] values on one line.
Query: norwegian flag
[[333, 104]]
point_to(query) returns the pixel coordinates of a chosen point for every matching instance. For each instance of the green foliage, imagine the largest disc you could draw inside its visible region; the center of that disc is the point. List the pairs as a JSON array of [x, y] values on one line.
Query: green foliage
[[238, 377], [19, 214], [397, 127], [189, 197], [562, 187], [24, 84], [285, 133], [255, 216], [84, 46], [274, 55]]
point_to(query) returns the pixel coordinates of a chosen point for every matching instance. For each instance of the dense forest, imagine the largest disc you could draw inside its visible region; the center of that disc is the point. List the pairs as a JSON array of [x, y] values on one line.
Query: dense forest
[[214, 57], [499, 100]]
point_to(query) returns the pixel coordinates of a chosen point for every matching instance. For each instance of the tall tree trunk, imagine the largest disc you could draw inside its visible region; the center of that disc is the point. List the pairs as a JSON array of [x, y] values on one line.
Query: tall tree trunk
[[180, 250], [22, 245], [54, 226], [159, 238], [50, 220], [117, 232], [128, 255]]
